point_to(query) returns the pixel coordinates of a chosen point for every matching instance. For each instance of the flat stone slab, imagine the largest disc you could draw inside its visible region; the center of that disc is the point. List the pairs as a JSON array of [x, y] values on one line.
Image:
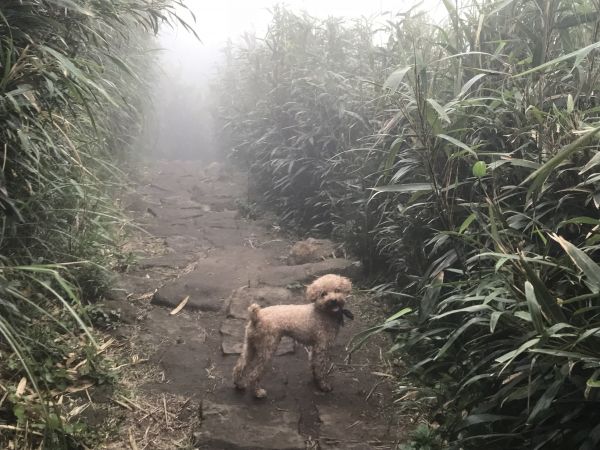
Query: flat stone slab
[[237, 304], [232, 339], [185, 244], [229, 426], [210, 283], [204, 295]]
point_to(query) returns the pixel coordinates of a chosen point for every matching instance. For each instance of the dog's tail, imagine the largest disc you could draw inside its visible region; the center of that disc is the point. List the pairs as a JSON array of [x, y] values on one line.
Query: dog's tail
[[253, 310]]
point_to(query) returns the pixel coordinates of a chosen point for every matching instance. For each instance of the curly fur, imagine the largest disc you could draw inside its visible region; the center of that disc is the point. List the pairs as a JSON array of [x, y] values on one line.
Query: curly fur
[[315, 324]]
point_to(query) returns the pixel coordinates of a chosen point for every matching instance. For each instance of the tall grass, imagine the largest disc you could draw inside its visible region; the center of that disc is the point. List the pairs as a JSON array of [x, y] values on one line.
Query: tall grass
[[71, 90], [460, 162]]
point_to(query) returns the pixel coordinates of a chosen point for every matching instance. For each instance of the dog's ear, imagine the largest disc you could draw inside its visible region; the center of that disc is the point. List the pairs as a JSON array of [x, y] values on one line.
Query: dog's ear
[[312, 292], [346, 284]]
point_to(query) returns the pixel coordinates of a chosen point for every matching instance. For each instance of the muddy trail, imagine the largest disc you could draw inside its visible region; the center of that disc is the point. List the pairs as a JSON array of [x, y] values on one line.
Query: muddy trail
[[198, 250]]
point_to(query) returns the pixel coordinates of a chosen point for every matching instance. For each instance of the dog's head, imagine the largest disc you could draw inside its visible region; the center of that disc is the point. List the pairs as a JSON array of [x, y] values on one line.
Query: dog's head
[[329, 293]]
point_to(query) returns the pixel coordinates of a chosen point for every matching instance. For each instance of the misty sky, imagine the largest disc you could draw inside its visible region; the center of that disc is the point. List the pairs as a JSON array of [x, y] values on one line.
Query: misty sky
[[180, 122], [216, 21]]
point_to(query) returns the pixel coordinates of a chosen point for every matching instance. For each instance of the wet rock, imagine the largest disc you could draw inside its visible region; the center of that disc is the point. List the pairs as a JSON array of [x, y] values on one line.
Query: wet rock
[[201, 297], [311, 250], [208, 285]]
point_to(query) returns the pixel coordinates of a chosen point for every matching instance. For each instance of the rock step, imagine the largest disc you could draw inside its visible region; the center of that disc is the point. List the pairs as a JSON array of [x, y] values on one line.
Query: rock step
[[226, 426], [233, 426], [208, 286]]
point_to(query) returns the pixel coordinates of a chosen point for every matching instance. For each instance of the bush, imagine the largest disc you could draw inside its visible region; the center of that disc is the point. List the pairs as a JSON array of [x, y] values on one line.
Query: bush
[[69, 107], [459, 161]]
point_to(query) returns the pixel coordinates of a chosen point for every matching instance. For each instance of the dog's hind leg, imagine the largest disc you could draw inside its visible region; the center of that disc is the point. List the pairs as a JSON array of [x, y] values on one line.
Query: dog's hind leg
[[245, 360], [268, 346], [240, 369]]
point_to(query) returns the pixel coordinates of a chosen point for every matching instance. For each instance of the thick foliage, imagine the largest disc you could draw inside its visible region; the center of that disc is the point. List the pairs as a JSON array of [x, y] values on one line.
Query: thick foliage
[[69, 97], [476, 192]]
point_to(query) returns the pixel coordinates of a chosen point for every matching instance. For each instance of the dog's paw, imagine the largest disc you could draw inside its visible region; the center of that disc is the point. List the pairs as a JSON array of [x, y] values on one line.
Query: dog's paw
[[260, 393]]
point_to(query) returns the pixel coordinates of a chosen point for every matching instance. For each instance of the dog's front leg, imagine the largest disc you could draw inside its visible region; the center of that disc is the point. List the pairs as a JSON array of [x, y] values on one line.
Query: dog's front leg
[[319, 364]]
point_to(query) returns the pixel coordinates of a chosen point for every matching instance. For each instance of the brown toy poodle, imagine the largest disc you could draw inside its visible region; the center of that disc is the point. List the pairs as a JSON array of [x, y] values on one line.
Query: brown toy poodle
[[315, 325]]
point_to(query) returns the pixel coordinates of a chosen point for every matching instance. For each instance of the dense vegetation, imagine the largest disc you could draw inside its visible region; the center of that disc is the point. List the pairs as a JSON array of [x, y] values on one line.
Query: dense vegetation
[[460, 163], [70, 85]]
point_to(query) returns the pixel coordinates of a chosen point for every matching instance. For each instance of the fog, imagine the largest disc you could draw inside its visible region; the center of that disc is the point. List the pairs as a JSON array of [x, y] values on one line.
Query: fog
[[180, 123]]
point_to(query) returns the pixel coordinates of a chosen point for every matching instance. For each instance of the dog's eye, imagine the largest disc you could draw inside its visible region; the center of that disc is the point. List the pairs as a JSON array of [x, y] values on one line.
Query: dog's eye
[[337, 291], [323, 294]]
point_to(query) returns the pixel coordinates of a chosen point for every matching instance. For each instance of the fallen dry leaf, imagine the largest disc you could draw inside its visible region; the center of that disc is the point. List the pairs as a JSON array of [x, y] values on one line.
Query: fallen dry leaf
[[180, 306], [21, 387]]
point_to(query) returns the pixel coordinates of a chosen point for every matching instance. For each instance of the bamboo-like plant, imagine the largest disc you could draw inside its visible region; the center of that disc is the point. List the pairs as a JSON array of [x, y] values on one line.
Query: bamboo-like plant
[[71, 90], [460, 162]]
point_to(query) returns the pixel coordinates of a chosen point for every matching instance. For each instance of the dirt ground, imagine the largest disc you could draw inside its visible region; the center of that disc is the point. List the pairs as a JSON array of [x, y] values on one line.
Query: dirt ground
[[195, 247]]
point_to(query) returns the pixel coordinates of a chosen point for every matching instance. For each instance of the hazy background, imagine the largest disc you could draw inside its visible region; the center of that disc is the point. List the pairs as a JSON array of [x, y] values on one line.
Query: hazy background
[[180, 124]]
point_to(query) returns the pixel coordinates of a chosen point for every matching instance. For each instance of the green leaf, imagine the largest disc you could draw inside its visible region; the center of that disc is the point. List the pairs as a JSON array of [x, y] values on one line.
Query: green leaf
[[590, 269], [439, 109], [545, 401], [394, 81], [476, 419], [547, 301], [579, 221], [74, 6], [494, 317], [538, 177], [575, 54], [535, 310], [470, 83], [593, 162], [575, 356], [399, 314], [69, 67], [468, 309], [457, 143], [404, 188], [19, 413], [456, 334], [432, 294], [393, 152], [510, 356], [463, 227]]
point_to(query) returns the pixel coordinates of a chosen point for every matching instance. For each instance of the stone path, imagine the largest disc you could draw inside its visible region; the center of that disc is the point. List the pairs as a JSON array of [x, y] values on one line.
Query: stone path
[[200, 249]]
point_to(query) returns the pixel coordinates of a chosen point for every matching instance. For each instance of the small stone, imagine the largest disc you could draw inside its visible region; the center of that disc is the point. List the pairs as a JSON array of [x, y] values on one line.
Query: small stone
[[311, 250]]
